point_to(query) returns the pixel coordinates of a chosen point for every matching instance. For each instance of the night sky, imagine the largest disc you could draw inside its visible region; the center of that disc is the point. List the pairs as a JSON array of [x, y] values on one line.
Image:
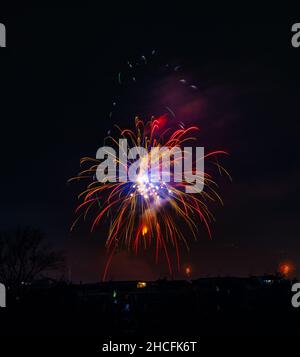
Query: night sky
[[58, 77]]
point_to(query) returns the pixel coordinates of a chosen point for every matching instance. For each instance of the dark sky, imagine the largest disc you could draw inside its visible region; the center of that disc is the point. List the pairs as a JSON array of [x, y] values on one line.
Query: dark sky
[[57, 86]]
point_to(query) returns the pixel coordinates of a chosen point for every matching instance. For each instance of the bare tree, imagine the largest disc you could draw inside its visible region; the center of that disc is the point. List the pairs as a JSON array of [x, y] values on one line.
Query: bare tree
[[25, 255]]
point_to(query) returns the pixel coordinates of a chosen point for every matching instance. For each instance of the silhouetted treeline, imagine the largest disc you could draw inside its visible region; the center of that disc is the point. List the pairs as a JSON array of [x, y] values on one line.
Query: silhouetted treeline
[[211, 306]]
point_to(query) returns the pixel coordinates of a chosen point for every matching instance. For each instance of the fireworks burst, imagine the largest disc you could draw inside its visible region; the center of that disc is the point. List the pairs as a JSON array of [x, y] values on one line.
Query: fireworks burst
[[143, 213]]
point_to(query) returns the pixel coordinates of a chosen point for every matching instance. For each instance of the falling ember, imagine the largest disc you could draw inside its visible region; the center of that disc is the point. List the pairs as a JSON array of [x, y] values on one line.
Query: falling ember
[[145, 230], [145, 214], [286, 268]]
